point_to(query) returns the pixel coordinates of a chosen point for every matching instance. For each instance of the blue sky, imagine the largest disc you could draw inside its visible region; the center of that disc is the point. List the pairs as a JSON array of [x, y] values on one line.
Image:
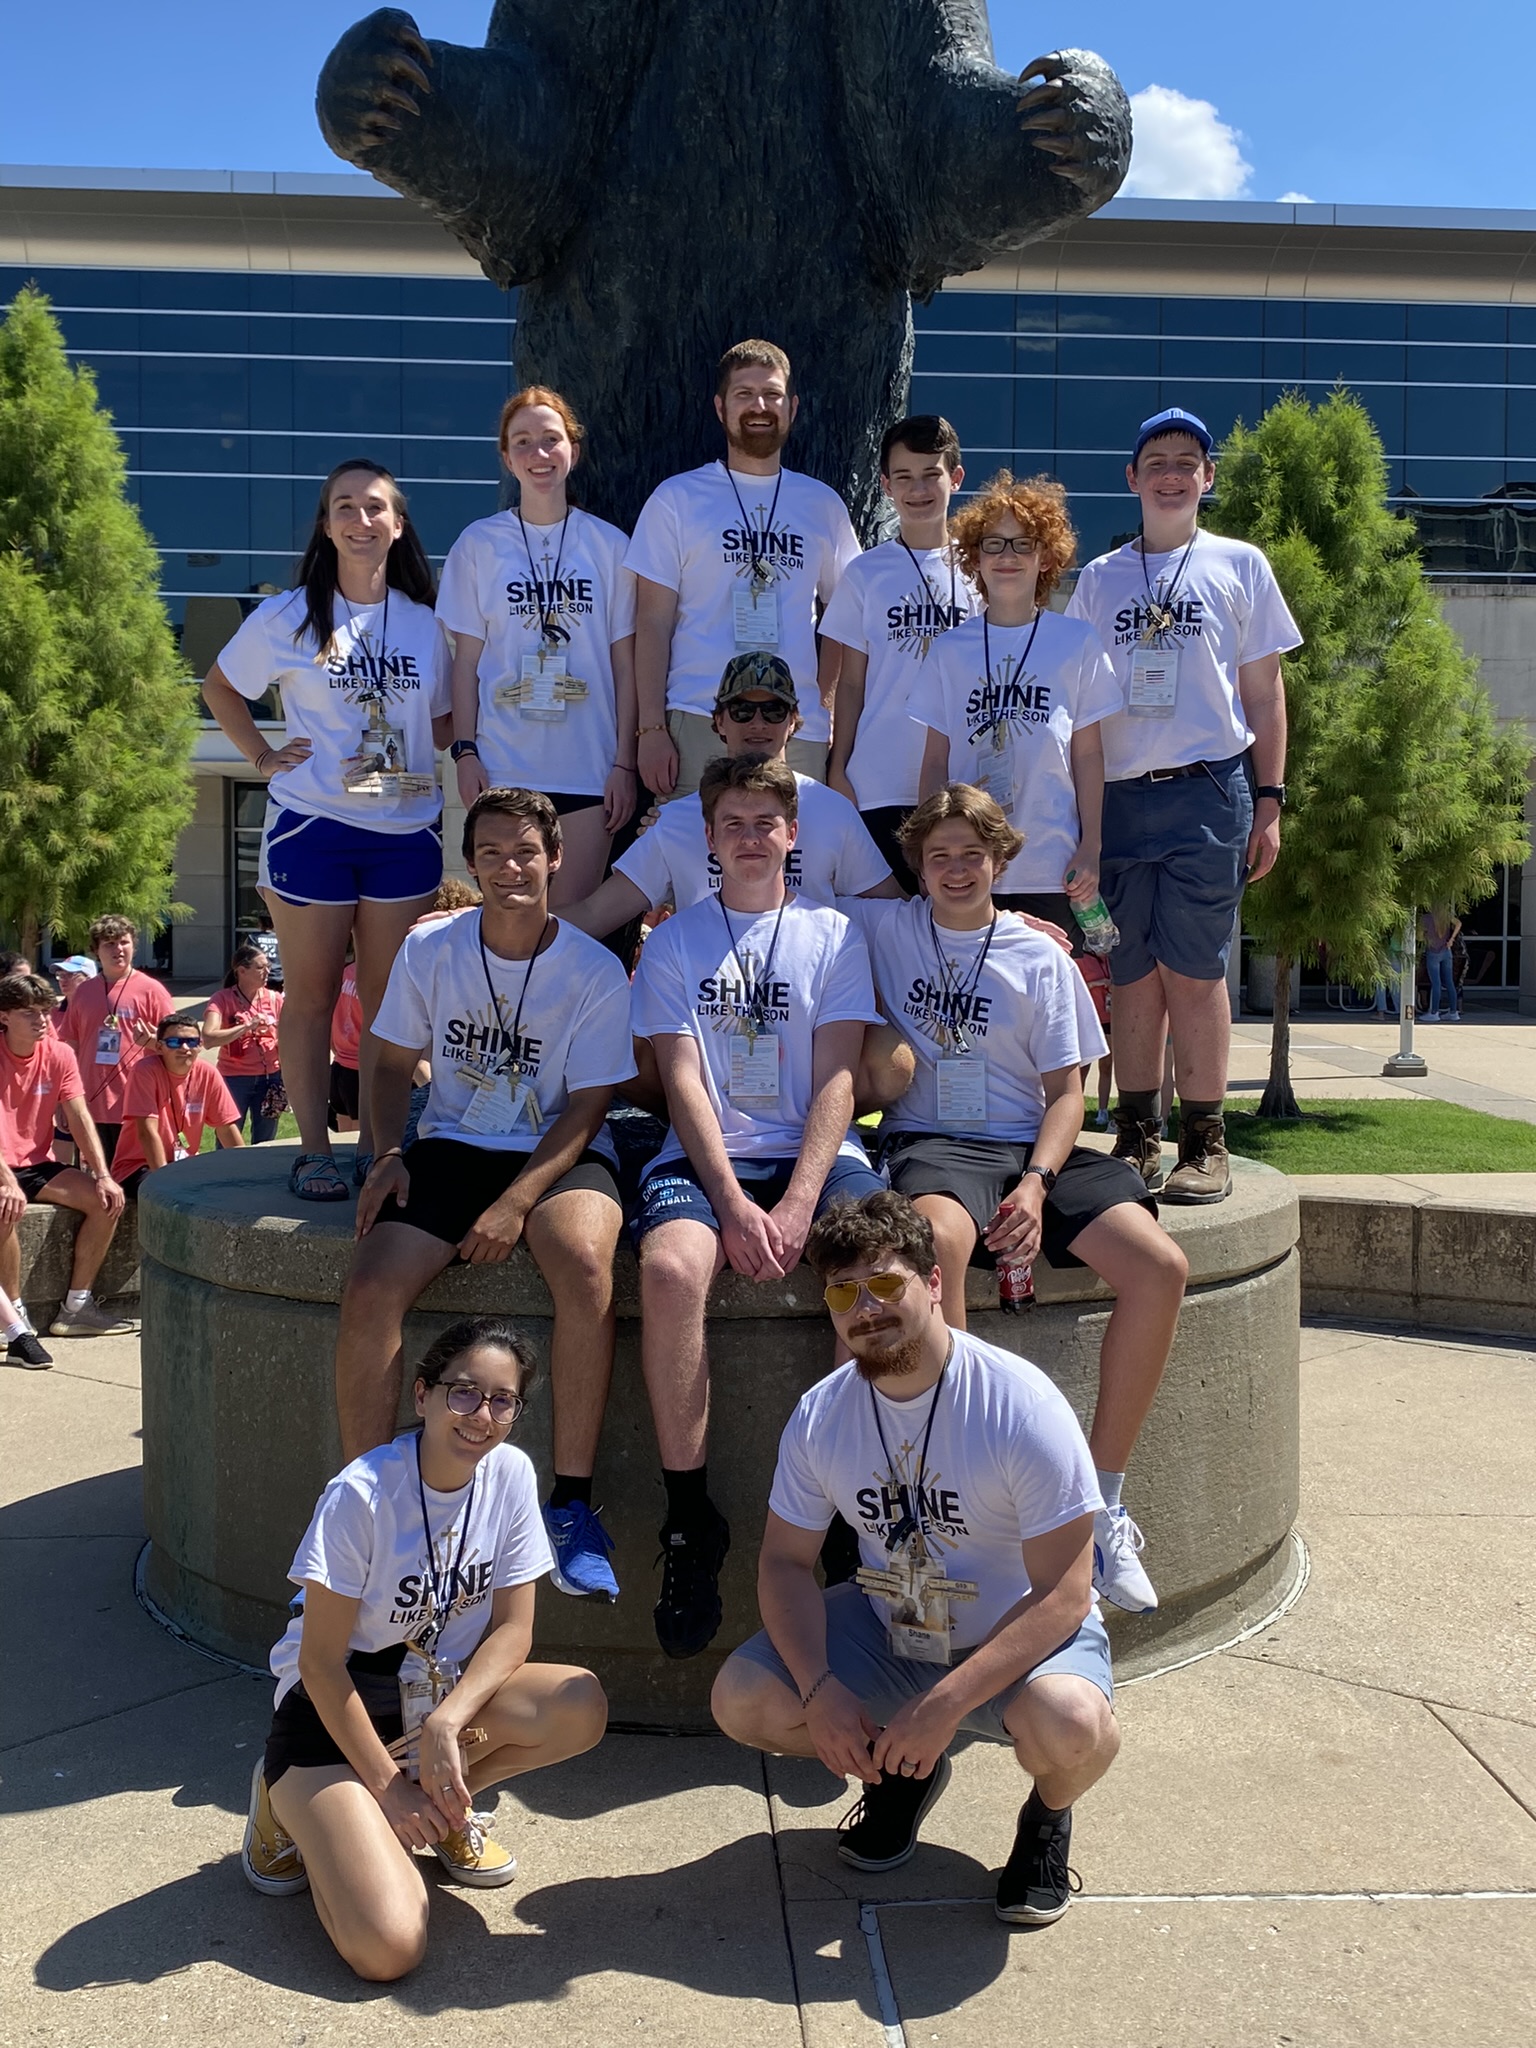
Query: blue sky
[[1387, 102]]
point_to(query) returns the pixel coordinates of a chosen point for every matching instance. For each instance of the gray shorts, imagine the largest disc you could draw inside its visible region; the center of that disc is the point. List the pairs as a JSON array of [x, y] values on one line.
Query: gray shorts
[[862, 1659]]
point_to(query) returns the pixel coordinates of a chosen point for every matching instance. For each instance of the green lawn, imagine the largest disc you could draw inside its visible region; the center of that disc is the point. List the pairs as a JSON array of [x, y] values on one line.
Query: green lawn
[[1383, 1137]]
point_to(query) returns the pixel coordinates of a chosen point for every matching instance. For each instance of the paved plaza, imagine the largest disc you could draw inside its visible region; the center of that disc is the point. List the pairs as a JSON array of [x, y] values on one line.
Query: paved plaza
[[1325, 1835], [1487, 1062]]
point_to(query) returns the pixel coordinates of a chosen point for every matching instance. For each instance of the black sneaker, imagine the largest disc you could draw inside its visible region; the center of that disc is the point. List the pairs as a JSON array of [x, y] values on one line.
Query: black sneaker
[[687, 1615], [25, 1350], [881, 1831], [1036, 1886]]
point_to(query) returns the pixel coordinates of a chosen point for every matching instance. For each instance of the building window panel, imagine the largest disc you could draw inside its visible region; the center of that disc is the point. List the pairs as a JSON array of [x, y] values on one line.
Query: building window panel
[[1227, 318], [194, 394], [347, 397], [1354, 320], [1444, 363], [1104, 415], [1451, 422], [986, 312], [1199, 360], [1363, 363], [964, 355], [1458, 323], [463, 398], [1093, 355]]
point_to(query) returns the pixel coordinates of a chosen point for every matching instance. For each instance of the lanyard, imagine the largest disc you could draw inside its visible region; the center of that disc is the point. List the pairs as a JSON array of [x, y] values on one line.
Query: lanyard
[[956, 991], [549, 625], [1160, 607], [760, 575], [377, 681], [111, 1009], [999, 717], [440, 1608], [911, 1516], [251, 1013], [485, 966], [922, 575], [755, 1005]]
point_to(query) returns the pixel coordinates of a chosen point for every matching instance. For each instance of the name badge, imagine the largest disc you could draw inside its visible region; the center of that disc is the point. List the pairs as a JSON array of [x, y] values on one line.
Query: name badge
[[755, 1065], [109, 1045], [996, 771], [543, 680], [962, 1091], [913, 1585], [496, 1105], [1154, 682], [754, 617]]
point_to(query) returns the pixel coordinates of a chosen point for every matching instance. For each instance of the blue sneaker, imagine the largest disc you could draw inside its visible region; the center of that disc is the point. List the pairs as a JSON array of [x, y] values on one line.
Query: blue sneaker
[[581, 1545]]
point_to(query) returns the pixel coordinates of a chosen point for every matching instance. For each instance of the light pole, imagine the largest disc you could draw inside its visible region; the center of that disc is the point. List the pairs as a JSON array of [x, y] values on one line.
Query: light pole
[[1405, 1060]]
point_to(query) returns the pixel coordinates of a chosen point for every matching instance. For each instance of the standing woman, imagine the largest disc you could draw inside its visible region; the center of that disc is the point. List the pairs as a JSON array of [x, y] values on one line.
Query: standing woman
[[542, 612], [419, 1564], [241, 1020], [352, 846]]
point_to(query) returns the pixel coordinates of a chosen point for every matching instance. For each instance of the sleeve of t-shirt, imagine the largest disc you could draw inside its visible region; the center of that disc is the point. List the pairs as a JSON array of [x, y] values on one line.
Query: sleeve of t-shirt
[[841, 549], [1080, 603], [458, 590], [141, 1097], [848, 988], [1269, 627], [860, 864], [646, 865], [157, 1000], [843, 619], [337, 1547], [1048, 1466], [522, 1549], [1099, 695], [441, 699], [405, 1017], [70, 1083], [602, 1045], [655, 548], [249, 661], [621, 598], [1064, 1031], [659, 1005], [798, 1496]]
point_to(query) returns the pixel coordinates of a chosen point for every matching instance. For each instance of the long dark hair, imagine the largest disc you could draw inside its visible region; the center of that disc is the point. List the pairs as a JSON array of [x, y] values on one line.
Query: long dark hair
[[405, 569]]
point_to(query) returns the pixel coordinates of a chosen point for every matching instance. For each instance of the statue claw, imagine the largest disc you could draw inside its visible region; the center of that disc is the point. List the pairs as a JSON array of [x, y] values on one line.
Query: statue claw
[[1052, 121], [391, 96], [1053, 66], [1040, 96]]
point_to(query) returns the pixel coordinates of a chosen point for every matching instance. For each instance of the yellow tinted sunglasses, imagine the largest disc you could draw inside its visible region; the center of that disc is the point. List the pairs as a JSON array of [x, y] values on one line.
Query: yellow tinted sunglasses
[[840, 1295]]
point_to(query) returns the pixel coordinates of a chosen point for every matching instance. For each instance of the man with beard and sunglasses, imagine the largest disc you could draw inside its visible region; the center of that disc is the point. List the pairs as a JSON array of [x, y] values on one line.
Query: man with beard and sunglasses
[[738, 557], [969, 1483]]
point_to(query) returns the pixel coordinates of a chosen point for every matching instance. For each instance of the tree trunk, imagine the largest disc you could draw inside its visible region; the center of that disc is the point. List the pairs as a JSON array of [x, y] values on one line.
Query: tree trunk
[[27, 935], [1279, 1098]]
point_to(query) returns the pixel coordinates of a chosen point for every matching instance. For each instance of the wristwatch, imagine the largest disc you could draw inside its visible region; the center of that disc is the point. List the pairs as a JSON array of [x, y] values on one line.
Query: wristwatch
[[1045, 1174], [1274, 789], [462, 747]]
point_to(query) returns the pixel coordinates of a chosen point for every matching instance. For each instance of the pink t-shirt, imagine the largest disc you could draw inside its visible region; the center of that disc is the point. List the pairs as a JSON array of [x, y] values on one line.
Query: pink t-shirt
[[30, 1094], [107, 1053], [347, 1022], [183, 1108], [247, 1054]]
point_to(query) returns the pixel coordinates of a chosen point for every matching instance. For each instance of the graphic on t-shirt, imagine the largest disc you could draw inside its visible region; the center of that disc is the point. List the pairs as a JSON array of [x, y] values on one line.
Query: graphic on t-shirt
[[1009, 696], [914, 626], [746, 1001], [894, 1494], [760, 552], [1148, 621], [466, 1585], [946, 1015], [545, 596], [482, 1042]]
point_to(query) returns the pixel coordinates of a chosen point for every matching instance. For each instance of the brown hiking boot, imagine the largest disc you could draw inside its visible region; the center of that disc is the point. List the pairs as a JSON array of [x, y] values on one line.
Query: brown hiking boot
[[1138, 1142], [1204, 1172]]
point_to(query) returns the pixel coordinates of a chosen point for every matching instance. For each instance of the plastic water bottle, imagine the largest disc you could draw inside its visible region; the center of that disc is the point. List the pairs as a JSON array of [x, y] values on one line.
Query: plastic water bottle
[[1015, 1286], [1100, 934]]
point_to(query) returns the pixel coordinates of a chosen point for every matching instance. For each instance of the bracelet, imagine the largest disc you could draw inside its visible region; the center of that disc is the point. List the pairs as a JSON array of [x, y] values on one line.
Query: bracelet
[[625, 767], [394, 1152], [642, 730], [806, 1698], [256, 764]]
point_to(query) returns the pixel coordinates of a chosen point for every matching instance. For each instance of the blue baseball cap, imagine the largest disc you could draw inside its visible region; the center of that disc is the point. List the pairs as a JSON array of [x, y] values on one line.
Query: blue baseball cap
[[1174, 421]]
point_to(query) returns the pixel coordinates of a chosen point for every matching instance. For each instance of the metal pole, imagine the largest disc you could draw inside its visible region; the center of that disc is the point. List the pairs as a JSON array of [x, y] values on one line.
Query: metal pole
[[1405, 1060]]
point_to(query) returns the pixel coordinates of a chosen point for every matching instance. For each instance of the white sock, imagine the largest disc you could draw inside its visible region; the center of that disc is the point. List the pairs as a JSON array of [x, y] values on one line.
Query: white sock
[[76, 1299], [14, 1328], [1110, 1484]]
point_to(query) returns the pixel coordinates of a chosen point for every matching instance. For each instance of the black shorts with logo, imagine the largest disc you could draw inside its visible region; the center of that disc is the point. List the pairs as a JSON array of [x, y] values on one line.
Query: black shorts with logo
[[978, 1172]]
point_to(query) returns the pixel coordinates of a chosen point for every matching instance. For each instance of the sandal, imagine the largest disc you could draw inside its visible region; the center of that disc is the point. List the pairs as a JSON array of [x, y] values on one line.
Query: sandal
[[313, 1178], [362, 1166]]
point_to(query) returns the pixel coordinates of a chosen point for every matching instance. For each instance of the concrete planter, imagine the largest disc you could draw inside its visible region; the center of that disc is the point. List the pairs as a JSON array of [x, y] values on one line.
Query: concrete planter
[[239, 1290]]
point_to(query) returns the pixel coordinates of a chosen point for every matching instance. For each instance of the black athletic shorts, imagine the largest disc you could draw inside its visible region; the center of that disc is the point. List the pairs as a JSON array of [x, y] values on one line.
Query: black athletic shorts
[[343, 1099], [1053, 908], [32, 1179], [453, 1184], [300, 1740], [133, 1183], [882, 824], [978, 1172], [565, 803]]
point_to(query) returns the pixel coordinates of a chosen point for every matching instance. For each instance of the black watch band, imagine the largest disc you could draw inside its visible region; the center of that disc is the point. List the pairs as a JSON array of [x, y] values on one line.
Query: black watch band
[[1274, 789], [462, 747], [1045, 1174]]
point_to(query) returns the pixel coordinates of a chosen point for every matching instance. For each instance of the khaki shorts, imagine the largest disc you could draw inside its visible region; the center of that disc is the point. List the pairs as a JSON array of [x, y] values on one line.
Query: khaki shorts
[[698, 743]]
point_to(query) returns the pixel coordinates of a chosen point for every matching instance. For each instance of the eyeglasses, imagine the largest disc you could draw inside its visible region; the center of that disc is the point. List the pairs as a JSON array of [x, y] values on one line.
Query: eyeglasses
[[182, 1044], [1002, 543], [840, 1295], [465, 1398], [774, 712]]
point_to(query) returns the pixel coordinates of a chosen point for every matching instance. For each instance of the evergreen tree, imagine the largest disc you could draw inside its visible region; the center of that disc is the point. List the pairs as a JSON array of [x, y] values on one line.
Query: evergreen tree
[[97, 714], [1400, 790]]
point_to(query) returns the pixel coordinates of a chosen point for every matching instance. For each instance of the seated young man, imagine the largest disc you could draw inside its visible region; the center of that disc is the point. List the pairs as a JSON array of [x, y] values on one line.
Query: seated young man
[[965, 1474], [40, 1085], [173, 1096], [985, 1141], [756, 1006], [526, 1023]]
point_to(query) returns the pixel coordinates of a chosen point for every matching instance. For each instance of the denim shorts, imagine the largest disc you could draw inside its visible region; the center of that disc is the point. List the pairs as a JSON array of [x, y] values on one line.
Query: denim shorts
[[861, 1658], [323, 860], [1172, 870], [673, 1194]]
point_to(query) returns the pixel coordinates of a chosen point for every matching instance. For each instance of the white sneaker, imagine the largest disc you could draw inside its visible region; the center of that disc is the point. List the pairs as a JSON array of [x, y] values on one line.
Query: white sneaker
[[1117, 1573]]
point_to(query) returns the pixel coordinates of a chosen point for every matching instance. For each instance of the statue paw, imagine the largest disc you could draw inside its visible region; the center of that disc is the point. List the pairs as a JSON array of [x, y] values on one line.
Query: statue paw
[[373, 83], [1078, 116]]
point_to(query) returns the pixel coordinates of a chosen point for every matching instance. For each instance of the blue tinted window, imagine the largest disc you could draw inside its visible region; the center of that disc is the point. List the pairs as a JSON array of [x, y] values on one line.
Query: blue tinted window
[[1092, 355], [212, 513], [1034, 313], [349, 397], [1354, 319], [1285, 362], [1457, 323], [1330, 362], [1520, 433], [1285, 318], [1218, 358], [1034, 416], [99, 330], [980, 409], [1450, 422], [940, 354], [1104, 416], [1080, 314], [453, 399], [1213, 316], [986, 310], [177, 392], [1452, 479], [1444, 363]]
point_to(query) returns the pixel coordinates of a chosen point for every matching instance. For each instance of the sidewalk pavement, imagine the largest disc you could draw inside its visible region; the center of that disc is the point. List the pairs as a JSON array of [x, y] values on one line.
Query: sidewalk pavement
[[1325, 1835], [1488, 1065]]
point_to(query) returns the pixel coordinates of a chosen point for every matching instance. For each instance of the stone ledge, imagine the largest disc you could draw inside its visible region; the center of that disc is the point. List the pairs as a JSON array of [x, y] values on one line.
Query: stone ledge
[[47, 1246]]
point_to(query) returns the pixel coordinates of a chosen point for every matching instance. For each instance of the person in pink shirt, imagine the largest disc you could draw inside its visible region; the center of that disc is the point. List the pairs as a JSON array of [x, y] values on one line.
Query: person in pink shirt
[[40, 1077], [173, 1096], [109, 1022], [346, 1046], [241, 1020]]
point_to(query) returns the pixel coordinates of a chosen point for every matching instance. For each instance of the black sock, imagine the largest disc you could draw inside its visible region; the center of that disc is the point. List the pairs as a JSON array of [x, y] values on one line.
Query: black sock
[[1189, 1109], [565, 1490], [1050, 1812], [687, 1494], [1142, 1104]]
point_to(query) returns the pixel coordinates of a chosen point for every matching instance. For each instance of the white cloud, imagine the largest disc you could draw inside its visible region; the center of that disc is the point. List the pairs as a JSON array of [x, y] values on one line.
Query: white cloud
[[1183, 149], [1296, 199]]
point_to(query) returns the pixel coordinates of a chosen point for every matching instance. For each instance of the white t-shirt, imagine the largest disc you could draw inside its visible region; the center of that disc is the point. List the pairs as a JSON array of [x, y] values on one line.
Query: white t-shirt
[[1025, 1013], [692, 981], [691, 537], [894, 613], [372, 699], [1010, 733], [366, 1542], [491, 590], [1007, 1461], [833, 855], [1227, 609], [573, 1031]]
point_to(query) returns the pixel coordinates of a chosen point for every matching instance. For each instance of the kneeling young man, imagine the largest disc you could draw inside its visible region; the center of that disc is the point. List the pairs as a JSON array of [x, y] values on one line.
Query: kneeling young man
[[526, 1023], [966, 1477], [985, 1141], [756, 1006]]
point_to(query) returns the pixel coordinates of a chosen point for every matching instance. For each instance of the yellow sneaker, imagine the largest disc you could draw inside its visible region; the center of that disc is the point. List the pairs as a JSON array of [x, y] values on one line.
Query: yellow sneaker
[[268, 1855], [470, 1856]]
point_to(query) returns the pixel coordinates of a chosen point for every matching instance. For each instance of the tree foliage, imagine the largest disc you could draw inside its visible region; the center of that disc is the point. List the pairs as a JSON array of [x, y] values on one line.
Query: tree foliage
[[97, 716], [1401, 790]]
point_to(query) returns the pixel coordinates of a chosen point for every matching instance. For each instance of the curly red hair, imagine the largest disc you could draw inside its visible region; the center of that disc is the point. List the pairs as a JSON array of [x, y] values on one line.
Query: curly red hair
[[1039, 504]]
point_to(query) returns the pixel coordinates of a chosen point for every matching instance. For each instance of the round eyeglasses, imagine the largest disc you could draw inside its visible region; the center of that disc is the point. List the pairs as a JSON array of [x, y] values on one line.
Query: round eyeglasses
[[465, 1398], [840, 1295]]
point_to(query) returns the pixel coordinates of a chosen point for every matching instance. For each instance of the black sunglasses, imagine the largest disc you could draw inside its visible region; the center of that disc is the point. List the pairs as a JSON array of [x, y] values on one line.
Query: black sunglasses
[[774, 712]]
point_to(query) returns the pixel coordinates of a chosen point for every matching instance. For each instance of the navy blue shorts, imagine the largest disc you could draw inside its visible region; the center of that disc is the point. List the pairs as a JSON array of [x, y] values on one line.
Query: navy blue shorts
[[672, 1194], [1172, 870], [322, 860]]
